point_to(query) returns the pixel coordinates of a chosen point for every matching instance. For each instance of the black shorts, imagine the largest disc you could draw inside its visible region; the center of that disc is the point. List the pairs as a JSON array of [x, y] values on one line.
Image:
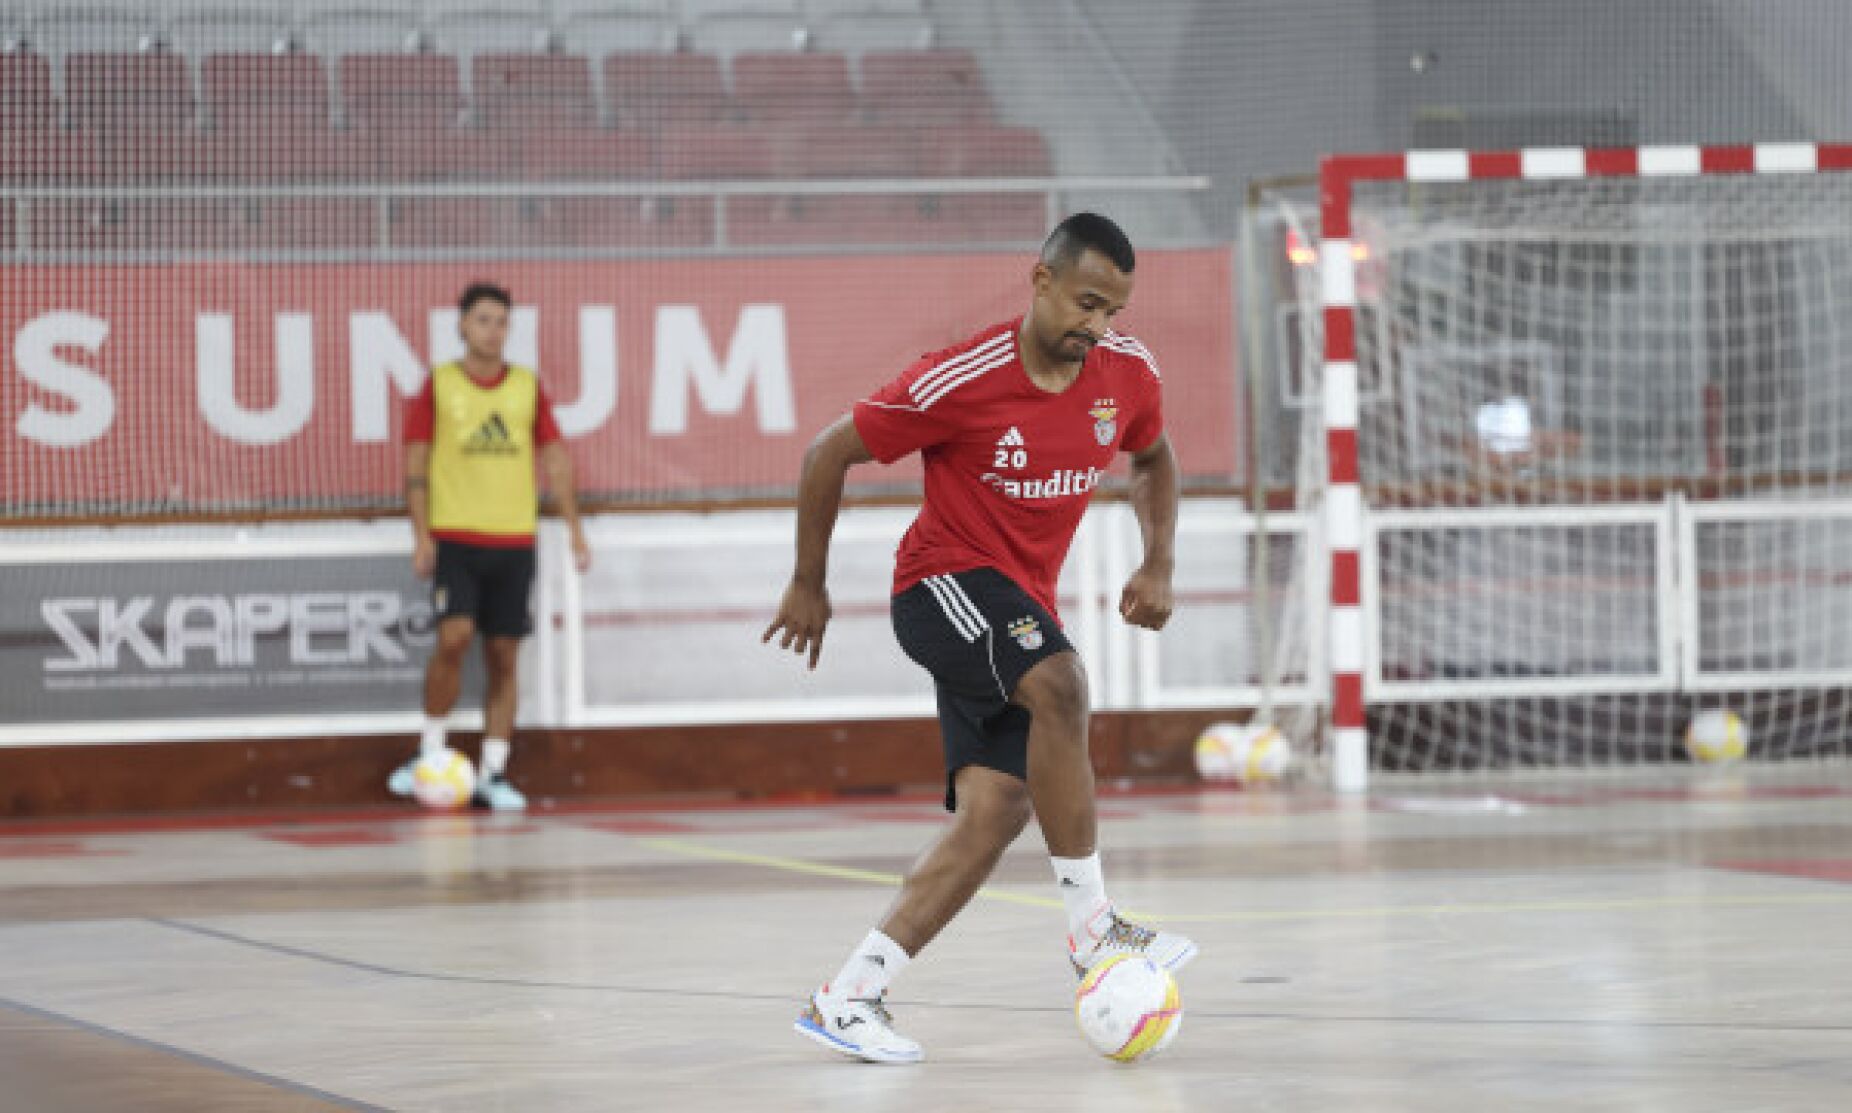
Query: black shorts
[[977, 633], [493, 586]]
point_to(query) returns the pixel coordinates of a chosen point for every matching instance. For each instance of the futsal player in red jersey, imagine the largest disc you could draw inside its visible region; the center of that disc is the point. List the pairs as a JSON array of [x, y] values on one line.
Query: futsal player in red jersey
[[1016, 427]]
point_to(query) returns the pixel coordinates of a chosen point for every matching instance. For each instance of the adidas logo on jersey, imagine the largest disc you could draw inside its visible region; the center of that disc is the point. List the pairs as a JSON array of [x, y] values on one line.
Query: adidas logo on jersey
[[491, 437], [1011, 439]]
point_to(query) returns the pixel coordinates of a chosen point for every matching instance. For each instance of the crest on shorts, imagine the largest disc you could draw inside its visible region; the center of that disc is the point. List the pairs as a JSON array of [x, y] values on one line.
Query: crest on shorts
[[1105, 426], [1027, 632]]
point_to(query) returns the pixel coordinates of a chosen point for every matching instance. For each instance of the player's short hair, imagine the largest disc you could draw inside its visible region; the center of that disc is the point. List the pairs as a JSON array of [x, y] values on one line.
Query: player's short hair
[[1087, 232], [483, 291]]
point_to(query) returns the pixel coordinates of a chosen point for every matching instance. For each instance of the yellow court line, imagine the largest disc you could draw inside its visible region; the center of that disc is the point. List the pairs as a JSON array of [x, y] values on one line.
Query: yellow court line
[[820, 869], [1265, 915]]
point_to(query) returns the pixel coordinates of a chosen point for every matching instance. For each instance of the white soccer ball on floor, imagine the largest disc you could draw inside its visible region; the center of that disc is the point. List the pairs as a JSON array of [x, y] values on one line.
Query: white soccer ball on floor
[[1243, 753], [1716, 735], [444, 781], [1128, 1007]]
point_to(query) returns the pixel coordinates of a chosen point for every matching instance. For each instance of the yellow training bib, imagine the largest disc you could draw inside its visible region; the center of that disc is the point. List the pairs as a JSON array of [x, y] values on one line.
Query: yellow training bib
[[482, 453]]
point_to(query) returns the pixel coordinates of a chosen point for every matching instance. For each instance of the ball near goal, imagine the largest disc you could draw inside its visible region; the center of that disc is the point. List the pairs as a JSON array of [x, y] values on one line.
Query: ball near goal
[[1716, 736]]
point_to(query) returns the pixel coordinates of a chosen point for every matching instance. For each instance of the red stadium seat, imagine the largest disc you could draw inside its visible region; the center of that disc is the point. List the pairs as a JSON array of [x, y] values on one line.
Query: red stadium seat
[[925, 86], [715, 152], [638, 223], [253, 150], [586, 154], [826, 221], [985, 151], [457, 222], [807, 89], [651, 90], [128, 91], [46, 154], [422, 90], [323, 224], [133, 225], [850, 151], [412, 151], [532, 91], [26, 99], [277, 90]]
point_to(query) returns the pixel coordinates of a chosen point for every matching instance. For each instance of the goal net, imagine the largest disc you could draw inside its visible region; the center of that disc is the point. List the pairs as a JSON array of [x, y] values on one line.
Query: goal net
[[1587, 440]]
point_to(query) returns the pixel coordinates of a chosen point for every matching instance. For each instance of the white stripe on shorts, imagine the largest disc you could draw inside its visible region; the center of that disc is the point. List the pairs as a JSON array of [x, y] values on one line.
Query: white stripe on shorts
[[965, 618]]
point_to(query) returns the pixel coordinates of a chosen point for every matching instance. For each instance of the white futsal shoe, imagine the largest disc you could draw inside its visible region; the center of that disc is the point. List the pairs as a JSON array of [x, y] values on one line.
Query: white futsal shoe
[[1108, 934], [859, 1027], [404, 779]]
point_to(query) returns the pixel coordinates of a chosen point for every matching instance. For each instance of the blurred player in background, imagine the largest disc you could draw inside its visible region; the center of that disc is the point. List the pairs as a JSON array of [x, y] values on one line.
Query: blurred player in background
[[1016, 426], [471, 437]]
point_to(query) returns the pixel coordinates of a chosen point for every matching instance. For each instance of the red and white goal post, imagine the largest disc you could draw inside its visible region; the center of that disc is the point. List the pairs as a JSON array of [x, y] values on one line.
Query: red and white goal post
[[1587, 420]]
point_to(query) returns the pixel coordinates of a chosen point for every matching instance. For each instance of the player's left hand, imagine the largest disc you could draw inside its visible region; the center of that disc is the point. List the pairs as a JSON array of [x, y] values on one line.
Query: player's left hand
[[1146, 600], [581, 552]]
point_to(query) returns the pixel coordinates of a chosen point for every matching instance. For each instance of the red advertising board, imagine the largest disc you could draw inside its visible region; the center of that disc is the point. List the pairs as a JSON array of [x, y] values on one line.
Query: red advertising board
[[209, 385]]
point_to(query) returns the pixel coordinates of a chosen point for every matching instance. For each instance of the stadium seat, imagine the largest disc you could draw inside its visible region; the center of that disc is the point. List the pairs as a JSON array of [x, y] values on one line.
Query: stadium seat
[[984, 151], [151, 91], [280, 90], [547, 91], [660, 90], [423, 89], [637, 223], [865, 221], [694, 153], [26, 99], [925, 86], [728, 35], [859, 34], [166, 226], [852, 151], [457, 223], [46, 154], [306, 224], [586, 153], [793, 89]]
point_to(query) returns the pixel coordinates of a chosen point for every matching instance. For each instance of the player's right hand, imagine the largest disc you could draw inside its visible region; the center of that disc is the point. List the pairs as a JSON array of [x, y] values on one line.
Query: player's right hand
[[424, 557], [802, 615]]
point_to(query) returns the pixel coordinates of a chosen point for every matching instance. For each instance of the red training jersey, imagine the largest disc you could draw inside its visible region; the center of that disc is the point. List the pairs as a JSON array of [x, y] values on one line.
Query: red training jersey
[[1010, 467]]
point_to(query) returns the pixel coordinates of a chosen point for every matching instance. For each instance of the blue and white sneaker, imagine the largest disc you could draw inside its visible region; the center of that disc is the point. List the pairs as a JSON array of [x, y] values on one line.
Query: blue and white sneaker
[[1108, 934], [403, 779], [859, 1027], [496, 794]]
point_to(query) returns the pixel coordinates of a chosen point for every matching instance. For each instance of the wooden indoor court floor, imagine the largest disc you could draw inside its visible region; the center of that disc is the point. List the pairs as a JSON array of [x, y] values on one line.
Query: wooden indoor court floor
[[1680, 944]]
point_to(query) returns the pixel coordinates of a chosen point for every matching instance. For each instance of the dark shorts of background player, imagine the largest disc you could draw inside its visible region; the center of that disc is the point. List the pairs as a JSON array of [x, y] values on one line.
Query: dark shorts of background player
[[977, 633], [491, 585]]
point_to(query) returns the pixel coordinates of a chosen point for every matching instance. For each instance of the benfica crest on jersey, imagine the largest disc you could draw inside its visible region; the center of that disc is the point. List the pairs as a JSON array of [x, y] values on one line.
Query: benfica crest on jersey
[[1105, 427], [1027, 633]]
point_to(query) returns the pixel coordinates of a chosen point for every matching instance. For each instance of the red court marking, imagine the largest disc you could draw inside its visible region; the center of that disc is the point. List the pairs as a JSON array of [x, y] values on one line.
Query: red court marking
[[61, 848], [341, 836], [1817, 869], [644, 826]]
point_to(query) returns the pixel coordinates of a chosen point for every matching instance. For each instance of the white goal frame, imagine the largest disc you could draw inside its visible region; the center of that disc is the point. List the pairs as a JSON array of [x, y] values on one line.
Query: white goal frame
[[1349, 641]]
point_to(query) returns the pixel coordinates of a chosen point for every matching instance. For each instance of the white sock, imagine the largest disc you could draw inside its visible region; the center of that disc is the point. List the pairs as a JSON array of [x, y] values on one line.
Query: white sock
[[870, 969], [494, 757], [432, 743], [1083, 891]]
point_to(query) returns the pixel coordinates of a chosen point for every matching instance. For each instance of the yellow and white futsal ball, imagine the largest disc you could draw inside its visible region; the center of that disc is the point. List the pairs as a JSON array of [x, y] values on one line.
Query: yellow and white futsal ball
[[443, 781], [1244, 753], [1716, 735], [1128, 1007]]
